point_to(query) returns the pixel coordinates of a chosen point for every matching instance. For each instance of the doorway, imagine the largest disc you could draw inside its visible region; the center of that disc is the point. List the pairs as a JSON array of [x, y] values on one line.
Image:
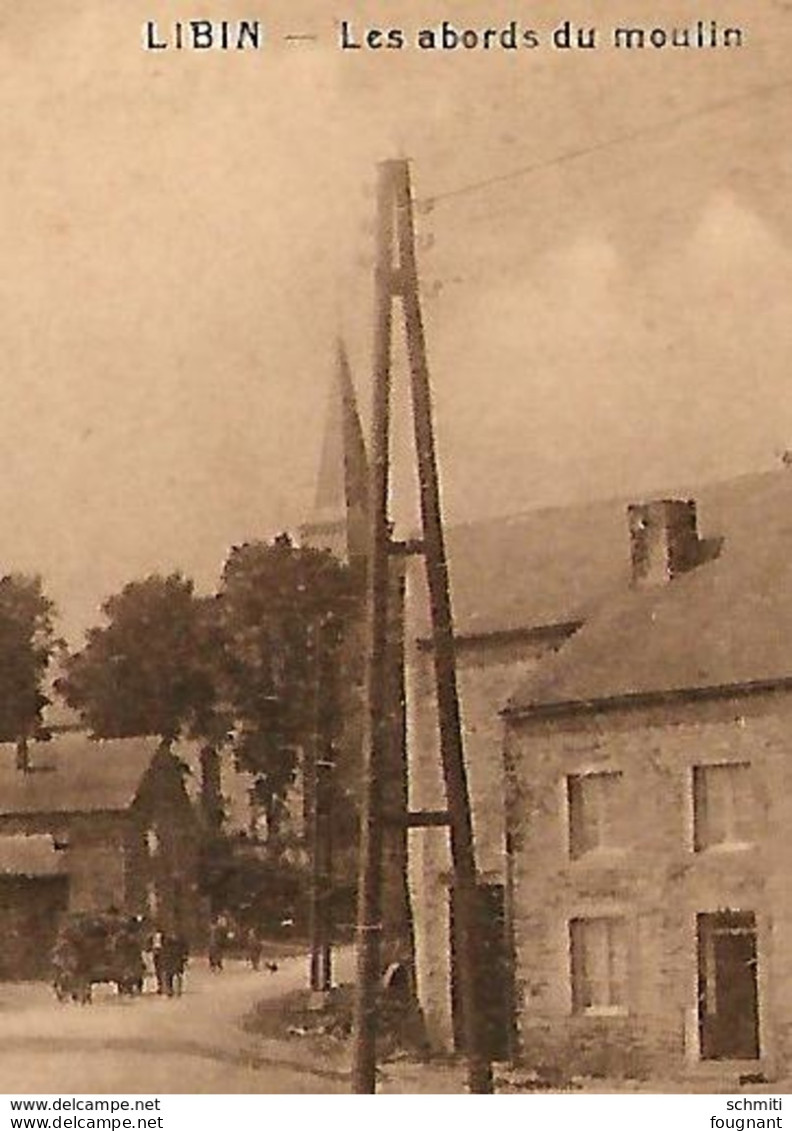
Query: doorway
[[728, 994]]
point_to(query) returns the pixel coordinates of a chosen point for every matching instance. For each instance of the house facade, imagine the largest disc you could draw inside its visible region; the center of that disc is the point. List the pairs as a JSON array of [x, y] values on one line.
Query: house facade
[[649, 901], [88, 825]]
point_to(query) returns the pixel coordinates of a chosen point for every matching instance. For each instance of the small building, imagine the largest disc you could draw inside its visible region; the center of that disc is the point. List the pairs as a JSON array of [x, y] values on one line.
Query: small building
[[86, 825]]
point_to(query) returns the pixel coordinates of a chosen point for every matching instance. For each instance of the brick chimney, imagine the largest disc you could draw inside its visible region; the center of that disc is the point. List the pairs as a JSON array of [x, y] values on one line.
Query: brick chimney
[[664, 539]]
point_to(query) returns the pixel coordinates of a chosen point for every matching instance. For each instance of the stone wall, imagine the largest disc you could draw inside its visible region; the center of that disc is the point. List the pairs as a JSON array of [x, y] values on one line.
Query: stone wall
[[93, 852], [488, 672]]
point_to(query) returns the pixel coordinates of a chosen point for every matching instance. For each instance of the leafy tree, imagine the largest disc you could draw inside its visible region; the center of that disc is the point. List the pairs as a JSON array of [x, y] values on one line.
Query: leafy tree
[[283, 611], [27, 642], [256, 657], [255, 890], [149, 670]]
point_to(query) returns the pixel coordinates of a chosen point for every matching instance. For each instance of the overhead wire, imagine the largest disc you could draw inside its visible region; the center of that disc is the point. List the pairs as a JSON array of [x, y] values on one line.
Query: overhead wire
[[427, 203]]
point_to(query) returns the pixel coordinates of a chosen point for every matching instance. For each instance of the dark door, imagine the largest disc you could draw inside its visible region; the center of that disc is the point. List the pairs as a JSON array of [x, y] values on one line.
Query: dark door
[[30, 910], [728, 994], [494, 980]]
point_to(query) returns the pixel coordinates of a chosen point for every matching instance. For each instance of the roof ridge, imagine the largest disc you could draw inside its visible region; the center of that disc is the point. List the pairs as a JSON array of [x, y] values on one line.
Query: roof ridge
[[687, 490]]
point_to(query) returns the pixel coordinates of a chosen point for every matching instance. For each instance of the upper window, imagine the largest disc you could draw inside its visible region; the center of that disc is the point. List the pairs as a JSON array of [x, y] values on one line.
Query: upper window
[[598, 951], [722, 805], [593, 802]]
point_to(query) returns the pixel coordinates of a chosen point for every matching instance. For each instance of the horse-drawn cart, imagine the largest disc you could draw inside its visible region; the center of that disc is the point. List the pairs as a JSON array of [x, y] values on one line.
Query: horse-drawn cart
[[97, 948]]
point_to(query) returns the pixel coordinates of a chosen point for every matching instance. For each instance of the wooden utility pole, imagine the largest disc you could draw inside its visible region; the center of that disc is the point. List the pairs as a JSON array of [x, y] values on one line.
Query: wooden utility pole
[[321, 766], [397, 277], [369, 915]]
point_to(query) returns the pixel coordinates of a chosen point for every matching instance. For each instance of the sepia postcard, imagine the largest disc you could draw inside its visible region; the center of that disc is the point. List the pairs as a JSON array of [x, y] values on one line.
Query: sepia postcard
[[396, 589]]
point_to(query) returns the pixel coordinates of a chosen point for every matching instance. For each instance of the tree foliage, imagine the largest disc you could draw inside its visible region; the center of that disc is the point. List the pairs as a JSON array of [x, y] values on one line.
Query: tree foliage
[[255, 891], [257, 661], [283, 612], [150, 669], [27, 642]]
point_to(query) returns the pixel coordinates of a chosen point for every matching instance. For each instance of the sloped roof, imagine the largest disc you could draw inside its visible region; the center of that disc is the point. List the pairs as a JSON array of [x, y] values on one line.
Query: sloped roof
[[544, 567], [74, 773], [727, 622], [28, 856]]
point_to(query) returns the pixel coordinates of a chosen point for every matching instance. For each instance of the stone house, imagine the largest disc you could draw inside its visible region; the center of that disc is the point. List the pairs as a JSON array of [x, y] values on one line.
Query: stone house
[[86, 825], [630, 846], [650, 787]]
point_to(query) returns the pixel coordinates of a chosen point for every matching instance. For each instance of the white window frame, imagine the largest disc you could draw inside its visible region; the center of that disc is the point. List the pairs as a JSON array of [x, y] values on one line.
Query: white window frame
[[597, 850], [605, 1008], [729, 844]]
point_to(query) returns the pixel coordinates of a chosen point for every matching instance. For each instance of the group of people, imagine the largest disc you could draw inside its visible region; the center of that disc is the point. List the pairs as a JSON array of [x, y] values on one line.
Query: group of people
[[222, 936], [126, 950], [115, 948]]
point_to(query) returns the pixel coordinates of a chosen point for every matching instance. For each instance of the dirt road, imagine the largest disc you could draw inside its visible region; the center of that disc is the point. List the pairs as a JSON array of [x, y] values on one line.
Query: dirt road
[[157, 1045]]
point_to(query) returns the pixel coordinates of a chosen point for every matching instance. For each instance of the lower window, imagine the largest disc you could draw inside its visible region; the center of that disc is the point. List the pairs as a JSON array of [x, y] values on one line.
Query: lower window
[[598, 948]]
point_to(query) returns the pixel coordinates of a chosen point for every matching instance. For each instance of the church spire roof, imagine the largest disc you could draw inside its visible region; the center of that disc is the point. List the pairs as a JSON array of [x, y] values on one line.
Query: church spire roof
[[338, 520]]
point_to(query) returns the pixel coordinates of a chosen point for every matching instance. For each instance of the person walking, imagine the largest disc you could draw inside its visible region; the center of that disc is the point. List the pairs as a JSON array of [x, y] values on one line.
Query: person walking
[[156, 951], [172, 965], [253, 947], [217, 945], [181, 956]]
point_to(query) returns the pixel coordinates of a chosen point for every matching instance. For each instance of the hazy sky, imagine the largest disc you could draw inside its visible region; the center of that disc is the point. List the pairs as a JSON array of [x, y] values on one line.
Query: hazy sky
[[182, 234]]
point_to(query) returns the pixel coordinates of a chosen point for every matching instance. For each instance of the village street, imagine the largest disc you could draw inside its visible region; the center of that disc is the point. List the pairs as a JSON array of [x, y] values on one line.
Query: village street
[[156, 1045], [195, 1044]]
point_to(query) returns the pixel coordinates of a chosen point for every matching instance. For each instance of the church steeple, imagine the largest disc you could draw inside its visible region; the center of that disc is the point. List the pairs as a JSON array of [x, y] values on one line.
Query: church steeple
[[339, 518]]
